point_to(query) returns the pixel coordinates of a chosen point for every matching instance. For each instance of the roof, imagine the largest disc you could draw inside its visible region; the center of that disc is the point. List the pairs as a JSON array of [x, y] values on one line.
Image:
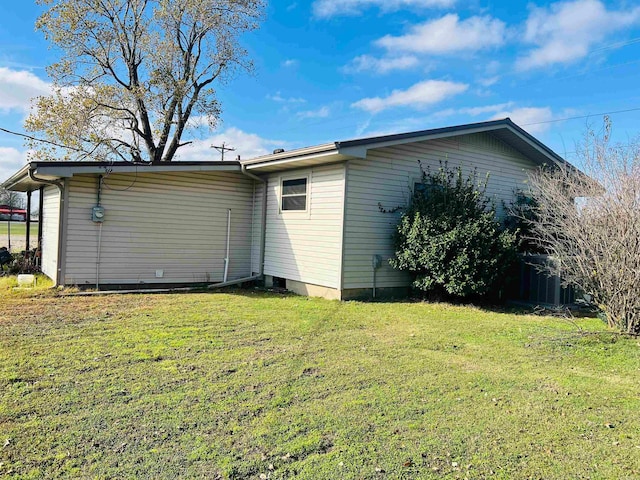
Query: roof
[[504, 130], [45, 172], [35, 174]]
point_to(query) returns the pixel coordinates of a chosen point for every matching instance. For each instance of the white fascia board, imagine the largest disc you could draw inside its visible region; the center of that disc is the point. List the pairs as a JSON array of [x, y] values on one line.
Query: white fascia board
[[291, 154], [71, 170], [318, 158]]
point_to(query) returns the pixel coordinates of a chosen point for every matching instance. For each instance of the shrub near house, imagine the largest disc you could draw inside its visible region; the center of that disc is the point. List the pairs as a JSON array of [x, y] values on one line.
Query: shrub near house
[[450, 240]]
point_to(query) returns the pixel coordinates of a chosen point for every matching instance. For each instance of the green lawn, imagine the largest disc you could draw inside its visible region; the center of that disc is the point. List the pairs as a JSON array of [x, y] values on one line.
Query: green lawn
[[19, 229], [248, 384]]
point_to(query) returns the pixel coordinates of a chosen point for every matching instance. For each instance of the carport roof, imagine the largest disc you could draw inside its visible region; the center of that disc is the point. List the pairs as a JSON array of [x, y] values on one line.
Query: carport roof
[[35, 174]]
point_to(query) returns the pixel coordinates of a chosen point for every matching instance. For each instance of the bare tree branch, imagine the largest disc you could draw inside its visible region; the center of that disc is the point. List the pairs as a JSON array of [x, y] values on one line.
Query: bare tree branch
[[591, 225]]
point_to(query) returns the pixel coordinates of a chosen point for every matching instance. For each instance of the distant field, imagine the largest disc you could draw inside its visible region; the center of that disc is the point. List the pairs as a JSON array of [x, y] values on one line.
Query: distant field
[[18, 230]]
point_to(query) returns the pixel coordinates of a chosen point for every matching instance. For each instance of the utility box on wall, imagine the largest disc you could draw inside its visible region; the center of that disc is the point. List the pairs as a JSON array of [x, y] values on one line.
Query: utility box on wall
[[97, 214]]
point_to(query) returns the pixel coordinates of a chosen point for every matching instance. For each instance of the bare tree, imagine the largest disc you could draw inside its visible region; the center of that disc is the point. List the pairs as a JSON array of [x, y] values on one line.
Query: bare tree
[[590, 225], [135, 74]]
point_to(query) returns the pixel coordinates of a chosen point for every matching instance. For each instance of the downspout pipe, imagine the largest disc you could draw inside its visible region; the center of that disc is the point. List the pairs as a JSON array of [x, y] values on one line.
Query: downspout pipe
[[263, 230], [60, 185], [46, 182], [226, 258]]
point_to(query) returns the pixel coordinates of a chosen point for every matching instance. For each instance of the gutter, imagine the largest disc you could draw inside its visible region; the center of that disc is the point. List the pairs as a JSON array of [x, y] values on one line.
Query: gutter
[[61, 227], [263, 220], [33, 178], [289, 154]]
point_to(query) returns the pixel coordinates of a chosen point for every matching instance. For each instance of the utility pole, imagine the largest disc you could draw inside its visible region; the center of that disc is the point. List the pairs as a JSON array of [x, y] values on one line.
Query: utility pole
[[223, 149]]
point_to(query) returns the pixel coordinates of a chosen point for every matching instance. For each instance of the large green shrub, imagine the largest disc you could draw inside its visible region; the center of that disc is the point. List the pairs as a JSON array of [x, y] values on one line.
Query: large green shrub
[[450, 240]]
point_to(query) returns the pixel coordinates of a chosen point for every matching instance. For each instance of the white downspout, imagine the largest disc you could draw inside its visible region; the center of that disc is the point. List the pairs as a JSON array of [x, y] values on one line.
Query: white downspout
[[263, 230], [226, 258]]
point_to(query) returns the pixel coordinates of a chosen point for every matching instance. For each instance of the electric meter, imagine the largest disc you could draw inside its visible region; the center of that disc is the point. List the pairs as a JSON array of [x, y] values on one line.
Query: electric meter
[[97, 214]]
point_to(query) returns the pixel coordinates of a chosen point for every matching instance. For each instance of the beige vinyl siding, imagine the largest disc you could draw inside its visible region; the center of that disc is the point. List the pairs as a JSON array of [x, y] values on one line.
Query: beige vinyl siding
[[386, 177], [175, 222], [50, 230], [306, 246], [256, 228]]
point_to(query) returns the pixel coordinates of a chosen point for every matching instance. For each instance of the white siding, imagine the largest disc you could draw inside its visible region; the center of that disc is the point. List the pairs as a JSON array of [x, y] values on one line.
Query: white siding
[[256, 228], [386, 177], [175, 222], [50, 229], [307, 247]]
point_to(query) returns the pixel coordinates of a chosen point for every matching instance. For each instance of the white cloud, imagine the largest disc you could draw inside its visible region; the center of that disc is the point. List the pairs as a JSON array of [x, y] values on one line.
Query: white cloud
[[247, 145], [380, 65], [417, 96], [11, 161], [18, 87], [474, 111], [487, 82], [532, 119], [320, 113], [290, 62], [447, 35], [280, 99], [332, 8], [565, 31]]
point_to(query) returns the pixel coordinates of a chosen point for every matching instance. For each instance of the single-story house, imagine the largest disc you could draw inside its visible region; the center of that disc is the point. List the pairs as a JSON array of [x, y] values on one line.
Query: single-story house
[[307, 219]]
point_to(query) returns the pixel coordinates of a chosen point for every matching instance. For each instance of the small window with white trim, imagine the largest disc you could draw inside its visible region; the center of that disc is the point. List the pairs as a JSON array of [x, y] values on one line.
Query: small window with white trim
[[293, 197]]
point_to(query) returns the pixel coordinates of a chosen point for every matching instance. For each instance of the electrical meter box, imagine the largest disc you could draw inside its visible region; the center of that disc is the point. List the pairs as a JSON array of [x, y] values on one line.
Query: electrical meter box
[[97, 214]]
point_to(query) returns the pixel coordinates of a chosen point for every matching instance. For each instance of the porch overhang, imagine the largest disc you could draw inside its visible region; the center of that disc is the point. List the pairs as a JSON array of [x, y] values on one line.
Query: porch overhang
[[36, 174]]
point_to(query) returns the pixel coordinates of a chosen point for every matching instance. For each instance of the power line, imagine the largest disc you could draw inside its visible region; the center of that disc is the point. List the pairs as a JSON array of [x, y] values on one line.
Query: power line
[[582, 116], [24, 135]]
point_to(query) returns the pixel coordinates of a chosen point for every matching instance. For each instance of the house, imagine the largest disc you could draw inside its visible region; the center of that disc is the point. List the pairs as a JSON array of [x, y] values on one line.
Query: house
[[307, 219]]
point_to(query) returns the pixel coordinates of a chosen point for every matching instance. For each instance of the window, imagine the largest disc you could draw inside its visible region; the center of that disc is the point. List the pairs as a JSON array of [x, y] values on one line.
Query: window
[[426, 189], [294, 195]]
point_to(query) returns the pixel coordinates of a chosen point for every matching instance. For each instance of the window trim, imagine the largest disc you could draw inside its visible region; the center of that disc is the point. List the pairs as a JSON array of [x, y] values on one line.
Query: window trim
[[281, 196]]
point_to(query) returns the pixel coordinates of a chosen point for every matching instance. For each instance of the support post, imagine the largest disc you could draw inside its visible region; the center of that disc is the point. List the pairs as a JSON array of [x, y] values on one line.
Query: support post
[[28, 232], [40, 217]]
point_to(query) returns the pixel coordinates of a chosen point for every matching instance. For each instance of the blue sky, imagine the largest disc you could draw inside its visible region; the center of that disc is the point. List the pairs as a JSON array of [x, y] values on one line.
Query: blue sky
[[337, 69]]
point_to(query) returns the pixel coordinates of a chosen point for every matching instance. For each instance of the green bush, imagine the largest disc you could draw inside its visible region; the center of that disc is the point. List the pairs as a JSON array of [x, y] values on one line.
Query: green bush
[[450, 240], [521, 216]]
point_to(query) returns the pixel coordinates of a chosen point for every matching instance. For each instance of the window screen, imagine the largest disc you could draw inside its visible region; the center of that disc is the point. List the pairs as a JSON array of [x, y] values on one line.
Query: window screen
[[294, 194]]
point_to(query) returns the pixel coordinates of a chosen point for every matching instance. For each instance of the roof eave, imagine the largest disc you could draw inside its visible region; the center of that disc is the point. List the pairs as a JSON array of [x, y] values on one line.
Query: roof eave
[[297, 159], [21, 181], [291, 154]]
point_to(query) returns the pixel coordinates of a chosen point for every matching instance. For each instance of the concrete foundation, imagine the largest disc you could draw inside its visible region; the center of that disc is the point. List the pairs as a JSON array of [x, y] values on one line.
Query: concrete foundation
[[329, 293], [313, 290], [384, 293]]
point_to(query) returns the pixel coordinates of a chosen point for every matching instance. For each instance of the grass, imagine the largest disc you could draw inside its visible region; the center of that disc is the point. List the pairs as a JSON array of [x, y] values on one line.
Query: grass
[[19, 229], [248, 384], [9, 288]]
